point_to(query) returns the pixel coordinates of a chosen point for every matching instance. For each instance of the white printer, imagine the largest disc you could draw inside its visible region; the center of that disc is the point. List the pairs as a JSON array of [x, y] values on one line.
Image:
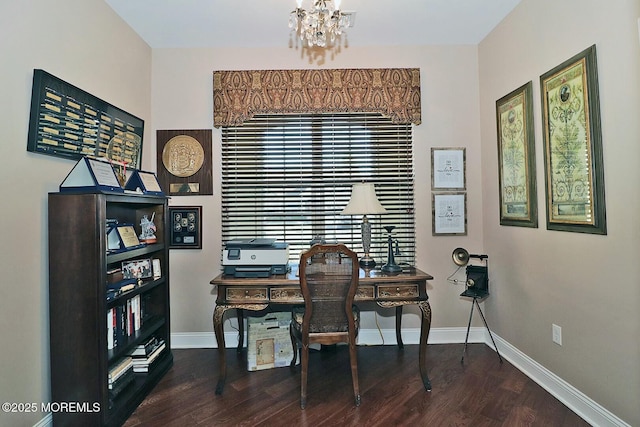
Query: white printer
[[255, 257]]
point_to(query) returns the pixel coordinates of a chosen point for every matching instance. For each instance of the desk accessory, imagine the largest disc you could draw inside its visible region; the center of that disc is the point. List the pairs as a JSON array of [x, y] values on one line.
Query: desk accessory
[[364, 202], [391, 267]]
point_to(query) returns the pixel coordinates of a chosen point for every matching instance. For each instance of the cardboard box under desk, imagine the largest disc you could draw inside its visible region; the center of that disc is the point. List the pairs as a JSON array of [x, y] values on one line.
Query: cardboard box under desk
[[268, 341]]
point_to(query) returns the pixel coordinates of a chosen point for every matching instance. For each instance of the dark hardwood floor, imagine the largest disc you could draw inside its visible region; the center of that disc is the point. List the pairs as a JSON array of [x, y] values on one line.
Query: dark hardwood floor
[[480, 392]]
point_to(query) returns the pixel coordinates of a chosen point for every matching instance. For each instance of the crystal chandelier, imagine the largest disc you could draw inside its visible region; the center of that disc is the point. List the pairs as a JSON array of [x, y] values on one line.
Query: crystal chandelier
[[322, 24]]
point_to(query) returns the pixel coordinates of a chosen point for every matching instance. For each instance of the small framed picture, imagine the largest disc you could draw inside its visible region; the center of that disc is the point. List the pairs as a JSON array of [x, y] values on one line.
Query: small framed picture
[[449, 214], [186, 227], [447, 169], [137, 269], [157, 270]]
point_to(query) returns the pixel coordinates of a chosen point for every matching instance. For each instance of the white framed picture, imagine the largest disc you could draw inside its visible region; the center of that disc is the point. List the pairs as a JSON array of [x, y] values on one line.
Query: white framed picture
[[449, 214], [448, 169]]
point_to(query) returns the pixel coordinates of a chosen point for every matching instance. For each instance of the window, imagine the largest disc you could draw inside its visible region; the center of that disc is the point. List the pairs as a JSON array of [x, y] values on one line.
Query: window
[[288, 177]]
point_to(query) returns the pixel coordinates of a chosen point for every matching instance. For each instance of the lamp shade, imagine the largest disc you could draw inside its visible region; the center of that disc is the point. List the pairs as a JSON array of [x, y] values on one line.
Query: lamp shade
[[363, 201]]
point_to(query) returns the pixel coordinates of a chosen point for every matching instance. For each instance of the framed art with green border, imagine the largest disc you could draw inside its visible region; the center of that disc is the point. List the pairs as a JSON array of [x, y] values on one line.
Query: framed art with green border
[[574, 175], [516, 158]]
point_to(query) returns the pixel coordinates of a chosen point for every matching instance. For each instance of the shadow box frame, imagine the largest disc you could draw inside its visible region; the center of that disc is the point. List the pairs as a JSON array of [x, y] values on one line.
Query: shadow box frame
[[180, 227]]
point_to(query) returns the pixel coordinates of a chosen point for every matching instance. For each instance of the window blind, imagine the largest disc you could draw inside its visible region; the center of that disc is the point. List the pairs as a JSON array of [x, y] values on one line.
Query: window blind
[[288, 177]]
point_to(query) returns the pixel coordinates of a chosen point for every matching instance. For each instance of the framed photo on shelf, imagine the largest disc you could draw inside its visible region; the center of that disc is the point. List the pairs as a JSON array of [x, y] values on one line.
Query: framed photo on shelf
[[574, 175], [186, 227], [448, 169], [516, 158], [137, 269], [449, 214]]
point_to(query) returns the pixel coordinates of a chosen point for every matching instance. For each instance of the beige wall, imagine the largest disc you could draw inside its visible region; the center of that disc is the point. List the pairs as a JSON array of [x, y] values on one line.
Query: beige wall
[[86, 44], [183, 99], [587, 284]]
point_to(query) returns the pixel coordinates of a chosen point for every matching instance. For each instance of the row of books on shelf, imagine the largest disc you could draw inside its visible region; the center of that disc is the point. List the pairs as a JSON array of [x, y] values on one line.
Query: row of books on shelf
[[123, 320], [139, 360]]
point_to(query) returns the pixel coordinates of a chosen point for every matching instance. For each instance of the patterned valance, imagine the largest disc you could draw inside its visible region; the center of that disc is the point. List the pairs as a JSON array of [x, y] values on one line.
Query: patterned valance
[[393, 92]]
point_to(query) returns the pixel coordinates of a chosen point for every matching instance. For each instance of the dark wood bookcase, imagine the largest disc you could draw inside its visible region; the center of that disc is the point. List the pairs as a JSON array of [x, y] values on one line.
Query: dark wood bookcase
[[78, 305]]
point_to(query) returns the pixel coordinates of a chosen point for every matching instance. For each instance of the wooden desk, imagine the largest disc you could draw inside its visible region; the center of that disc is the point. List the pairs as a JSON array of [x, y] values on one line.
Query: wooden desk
[[408, 287]]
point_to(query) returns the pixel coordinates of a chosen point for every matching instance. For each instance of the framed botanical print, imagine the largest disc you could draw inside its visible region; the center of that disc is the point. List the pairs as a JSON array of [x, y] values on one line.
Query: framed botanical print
[[574, 176], [516, 158]]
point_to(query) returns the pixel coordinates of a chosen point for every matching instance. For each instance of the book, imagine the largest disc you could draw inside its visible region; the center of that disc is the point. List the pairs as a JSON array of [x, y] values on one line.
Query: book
[[144, 350], [110, 334], [118, 386], [119, 368], [143, 364]]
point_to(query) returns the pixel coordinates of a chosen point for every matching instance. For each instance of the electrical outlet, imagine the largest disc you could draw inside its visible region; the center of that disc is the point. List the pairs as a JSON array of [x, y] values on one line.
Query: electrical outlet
[[556, 334]]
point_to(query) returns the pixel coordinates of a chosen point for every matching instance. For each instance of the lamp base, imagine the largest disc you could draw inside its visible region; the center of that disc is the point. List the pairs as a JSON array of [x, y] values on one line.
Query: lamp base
[[367, 262], [391, 269]]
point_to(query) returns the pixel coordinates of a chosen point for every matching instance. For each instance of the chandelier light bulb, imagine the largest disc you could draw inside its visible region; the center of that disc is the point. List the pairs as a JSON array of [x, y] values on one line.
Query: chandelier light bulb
[[321, 25]]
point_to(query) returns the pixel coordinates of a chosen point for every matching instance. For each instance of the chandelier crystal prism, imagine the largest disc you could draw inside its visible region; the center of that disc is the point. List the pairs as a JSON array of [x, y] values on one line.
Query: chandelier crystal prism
[[321, 25]]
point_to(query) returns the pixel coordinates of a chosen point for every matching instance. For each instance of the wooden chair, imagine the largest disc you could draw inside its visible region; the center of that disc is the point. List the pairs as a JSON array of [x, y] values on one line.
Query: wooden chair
[[328, 280]]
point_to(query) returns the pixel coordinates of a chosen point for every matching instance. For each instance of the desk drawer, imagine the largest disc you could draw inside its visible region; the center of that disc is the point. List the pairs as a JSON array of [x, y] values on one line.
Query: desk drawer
[[291, 294], [398, 291], [247, 294], [365, 293]]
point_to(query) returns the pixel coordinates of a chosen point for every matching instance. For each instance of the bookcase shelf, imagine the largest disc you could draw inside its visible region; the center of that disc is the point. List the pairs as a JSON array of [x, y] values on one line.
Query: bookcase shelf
[[80, 352]]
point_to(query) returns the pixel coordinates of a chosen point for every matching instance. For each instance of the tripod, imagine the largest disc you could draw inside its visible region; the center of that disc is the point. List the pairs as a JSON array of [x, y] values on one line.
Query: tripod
[[475, 296], [477, 289]]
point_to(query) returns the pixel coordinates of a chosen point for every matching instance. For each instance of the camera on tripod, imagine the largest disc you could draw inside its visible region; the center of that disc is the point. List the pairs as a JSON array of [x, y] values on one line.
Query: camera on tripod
[[477, 275]]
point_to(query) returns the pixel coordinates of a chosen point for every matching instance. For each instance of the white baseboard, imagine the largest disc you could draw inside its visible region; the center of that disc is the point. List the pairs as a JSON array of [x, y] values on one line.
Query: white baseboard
[[575, 400], [578, 402], [365, 337]]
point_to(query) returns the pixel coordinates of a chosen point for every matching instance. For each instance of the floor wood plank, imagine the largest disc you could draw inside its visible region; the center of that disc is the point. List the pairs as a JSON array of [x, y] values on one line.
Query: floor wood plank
[[480, 392]]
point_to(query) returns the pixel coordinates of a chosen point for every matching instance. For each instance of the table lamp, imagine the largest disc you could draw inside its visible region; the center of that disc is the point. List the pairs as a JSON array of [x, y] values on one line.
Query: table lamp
[[364, 202]]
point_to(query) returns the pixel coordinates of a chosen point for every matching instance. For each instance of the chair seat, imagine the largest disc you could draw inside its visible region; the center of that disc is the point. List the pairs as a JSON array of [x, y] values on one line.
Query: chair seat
[[297, 314]]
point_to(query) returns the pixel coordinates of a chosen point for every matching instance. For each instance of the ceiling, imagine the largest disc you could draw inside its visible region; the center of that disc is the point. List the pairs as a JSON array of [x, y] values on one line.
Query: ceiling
[[263, 23]]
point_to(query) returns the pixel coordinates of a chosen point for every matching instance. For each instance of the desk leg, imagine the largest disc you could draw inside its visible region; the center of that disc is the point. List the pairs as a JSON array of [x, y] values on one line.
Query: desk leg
[[399, 327], [218, 327], [240, 314], [425, 307]]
